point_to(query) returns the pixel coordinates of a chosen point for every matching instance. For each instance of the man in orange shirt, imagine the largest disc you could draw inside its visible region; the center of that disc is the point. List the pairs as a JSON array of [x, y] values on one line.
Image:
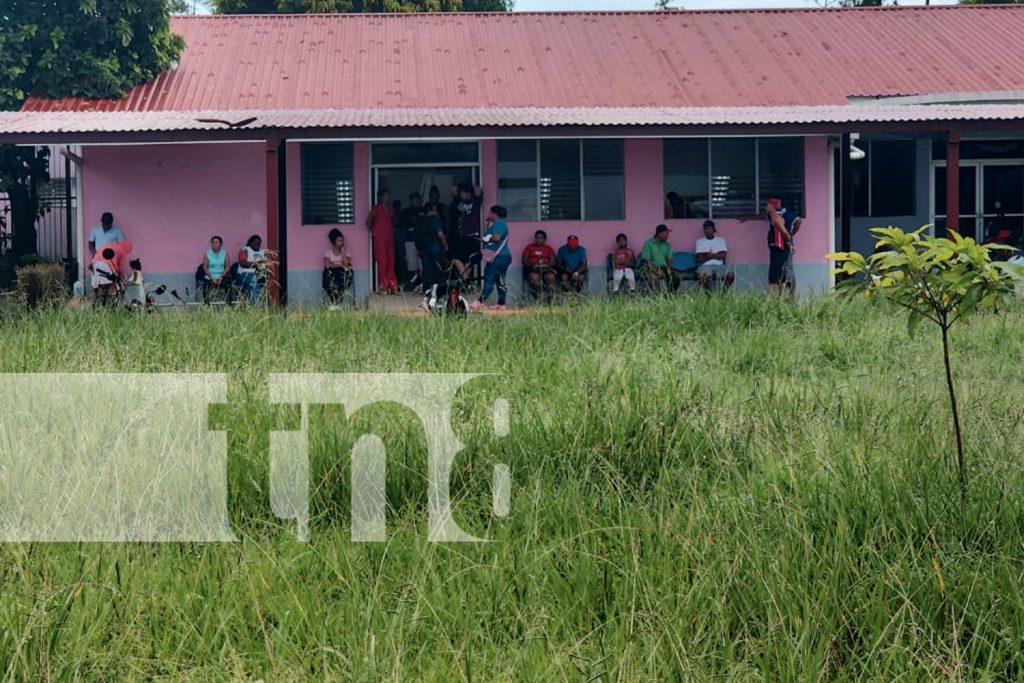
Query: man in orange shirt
[[380, 222]]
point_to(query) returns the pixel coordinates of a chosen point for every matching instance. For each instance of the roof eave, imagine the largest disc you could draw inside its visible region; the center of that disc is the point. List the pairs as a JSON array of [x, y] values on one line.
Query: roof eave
[[371, 133]]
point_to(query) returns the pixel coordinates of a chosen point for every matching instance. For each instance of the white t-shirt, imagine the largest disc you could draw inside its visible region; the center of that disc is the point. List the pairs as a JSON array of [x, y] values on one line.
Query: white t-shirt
[[252, 256], [713, 245]]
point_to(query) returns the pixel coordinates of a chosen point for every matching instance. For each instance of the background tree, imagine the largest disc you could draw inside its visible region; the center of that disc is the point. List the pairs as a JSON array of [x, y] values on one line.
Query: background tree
[[189, 6], [64, 48], [856, 3], [488, 5], [302, 6]]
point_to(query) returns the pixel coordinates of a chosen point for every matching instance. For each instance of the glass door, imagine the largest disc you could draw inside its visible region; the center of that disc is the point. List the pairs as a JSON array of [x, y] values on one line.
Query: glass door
[[991, 200], [404, 168], [1002, 190]]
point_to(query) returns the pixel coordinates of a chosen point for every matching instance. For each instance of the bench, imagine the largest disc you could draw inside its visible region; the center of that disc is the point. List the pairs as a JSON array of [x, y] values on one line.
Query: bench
[[683, 262]]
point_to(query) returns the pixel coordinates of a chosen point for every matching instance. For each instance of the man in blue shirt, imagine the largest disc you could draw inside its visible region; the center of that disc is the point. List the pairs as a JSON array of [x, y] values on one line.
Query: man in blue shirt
[[572, 262], [105, 233]]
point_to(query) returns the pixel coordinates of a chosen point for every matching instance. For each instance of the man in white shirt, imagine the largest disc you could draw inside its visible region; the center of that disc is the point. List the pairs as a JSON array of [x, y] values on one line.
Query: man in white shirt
[[105, 233], [711, 252]]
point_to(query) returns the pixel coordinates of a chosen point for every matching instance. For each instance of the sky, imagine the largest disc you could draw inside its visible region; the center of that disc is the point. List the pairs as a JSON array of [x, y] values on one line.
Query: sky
[[539, 5]]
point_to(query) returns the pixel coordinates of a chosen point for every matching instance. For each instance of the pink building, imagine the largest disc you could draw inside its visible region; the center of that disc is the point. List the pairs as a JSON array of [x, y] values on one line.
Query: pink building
[[582, 123]]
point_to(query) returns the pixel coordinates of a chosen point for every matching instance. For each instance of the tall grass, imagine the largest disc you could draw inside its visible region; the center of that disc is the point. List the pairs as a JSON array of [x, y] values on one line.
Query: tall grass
[[704, 488]]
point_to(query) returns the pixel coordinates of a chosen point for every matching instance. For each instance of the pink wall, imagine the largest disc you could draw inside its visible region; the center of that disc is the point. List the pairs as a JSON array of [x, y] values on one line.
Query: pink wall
[[645, 209], [813, 241], [307, 243], [170, 199], [644, 205]]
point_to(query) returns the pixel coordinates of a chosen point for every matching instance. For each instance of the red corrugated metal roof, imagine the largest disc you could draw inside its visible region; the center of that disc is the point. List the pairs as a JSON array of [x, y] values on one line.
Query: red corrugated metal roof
[[27, 123], [677, 59]]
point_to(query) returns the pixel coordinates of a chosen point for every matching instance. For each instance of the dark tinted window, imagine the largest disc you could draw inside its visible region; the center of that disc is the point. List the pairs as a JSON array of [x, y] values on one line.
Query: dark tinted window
[[328, 187]]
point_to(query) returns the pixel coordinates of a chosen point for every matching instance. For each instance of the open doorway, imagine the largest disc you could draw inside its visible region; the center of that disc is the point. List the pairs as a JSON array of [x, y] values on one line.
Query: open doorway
[[407, 168]]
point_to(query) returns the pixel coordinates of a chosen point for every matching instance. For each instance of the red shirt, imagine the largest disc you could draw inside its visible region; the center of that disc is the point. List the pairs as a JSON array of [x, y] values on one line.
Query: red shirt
[[538, 254], [383, 218], [623, 258]]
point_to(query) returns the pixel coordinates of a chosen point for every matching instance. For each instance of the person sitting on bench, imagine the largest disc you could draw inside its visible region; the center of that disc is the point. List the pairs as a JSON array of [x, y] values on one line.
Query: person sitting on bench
[[215, 269], [572, 262], [539, 265], [623, 265], [657, 262], [337, 276], [711, 252]]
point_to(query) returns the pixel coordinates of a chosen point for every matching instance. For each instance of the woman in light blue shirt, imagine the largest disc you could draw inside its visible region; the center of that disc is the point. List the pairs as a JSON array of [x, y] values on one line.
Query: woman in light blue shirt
[[497, 256], [215, 267]]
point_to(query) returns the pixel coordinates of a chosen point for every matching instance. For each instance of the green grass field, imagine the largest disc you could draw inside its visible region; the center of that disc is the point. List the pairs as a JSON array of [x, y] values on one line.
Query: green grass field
[[703, 488]]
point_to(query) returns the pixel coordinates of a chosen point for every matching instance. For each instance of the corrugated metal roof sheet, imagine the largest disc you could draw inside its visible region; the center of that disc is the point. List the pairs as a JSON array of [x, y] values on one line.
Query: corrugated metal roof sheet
[[679, 59], [24, 123]]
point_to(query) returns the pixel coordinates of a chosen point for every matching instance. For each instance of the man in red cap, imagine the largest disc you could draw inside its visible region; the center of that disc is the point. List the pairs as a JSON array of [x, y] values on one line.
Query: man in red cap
[[572, 262]]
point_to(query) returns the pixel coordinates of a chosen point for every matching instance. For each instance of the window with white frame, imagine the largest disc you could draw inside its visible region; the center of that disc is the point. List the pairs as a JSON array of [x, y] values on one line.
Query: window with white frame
[[328, 183], [561, 179], [731, 177]]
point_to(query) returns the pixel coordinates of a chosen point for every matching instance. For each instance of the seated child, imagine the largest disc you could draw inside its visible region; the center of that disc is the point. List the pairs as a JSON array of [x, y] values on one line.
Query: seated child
[[623, 265]]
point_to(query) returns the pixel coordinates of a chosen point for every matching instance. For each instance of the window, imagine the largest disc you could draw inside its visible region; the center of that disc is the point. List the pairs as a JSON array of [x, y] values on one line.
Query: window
[[686, 178], [429, 153], [781, 171], [328, 187], [893, 164], [517, 178], [561, 179], [884, 181], [603, 180], [982, 149], [731, 177], [560, 186]]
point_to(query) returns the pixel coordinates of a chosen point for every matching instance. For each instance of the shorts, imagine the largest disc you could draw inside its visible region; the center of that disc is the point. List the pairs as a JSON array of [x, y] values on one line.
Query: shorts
[[540, 270], [717, 271], [777, 259], [464, 248]]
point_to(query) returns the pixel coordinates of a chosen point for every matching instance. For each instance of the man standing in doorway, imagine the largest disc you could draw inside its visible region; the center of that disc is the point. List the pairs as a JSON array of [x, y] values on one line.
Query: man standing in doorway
[[380, 222], [104, 233], [407, 221]]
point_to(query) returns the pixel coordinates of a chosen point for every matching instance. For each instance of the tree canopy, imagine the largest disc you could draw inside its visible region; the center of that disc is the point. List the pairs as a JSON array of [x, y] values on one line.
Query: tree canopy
[[302, 6], [89, 48]]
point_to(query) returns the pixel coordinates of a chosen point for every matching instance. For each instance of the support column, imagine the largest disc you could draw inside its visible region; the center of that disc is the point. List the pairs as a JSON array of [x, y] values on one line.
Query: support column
[[273, 175], [846, 195], [952, 181]]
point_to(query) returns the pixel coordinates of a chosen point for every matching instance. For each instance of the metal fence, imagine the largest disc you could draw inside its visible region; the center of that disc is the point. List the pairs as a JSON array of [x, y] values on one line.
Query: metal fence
[[55, 229]]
